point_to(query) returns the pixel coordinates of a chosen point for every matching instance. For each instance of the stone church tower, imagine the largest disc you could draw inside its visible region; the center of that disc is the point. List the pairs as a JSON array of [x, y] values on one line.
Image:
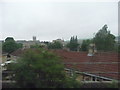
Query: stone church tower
[[34, 38]]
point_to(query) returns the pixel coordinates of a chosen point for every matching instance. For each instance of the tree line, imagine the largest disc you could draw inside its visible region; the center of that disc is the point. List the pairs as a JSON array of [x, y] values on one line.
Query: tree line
[[103, 40]]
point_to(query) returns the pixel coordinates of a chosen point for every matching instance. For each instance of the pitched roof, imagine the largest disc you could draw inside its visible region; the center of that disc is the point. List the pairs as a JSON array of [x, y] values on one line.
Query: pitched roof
[[102, 64]]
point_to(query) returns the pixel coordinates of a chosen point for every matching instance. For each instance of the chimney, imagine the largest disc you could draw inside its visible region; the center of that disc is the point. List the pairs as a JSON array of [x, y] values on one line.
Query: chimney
[[92, 50]]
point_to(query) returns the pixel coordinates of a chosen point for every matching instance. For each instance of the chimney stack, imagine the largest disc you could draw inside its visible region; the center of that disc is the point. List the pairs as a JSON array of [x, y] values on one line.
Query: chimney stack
[[92, 50]]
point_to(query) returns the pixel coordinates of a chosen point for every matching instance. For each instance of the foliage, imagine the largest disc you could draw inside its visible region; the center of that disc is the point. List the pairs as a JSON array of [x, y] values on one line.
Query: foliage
[[10, 45], [114, 84], [42, 45], [104, 40], [9, 39], [41, 69], [73, 44], [85, 44], [118, 48], [36, 46], [55, 45], [0, 46], [19, 45], [46, 42]]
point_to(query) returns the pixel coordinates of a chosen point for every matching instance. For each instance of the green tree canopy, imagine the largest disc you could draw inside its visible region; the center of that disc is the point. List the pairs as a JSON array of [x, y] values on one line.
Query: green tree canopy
[[10, 45], [9, 39], [73, 44], [85, 44], [41, 69], [104, 40], [55, 45]]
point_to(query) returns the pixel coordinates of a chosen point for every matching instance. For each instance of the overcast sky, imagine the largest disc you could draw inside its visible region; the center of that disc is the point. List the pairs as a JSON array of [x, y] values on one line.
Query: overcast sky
[[52, 20]]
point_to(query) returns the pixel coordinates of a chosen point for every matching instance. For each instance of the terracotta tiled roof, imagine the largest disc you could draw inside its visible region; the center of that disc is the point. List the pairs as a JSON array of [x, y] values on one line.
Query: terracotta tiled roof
[[20, 51], [103, 64]]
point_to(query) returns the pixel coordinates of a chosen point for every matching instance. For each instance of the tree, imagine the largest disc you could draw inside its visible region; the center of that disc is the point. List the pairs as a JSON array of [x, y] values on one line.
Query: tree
[[38, 68], [85, 44], [104, 40], [10, 45], [55, 45], [118, 48], [19, 45], [73, 44], [9, 39]]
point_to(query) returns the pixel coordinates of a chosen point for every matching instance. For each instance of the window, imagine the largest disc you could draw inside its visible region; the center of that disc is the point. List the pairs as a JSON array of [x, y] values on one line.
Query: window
[[93, 79]]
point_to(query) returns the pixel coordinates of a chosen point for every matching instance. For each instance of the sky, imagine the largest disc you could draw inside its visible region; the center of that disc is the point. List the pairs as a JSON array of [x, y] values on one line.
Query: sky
[[52, 20]]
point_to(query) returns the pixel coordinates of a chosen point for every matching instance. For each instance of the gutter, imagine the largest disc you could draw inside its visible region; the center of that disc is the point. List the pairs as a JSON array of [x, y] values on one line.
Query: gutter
[[93, 75]]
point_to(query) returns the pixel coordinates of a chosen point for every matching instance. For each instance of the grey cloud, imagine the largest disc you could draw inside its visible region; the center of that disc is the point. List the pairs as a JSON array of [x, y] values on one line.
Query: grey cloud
[[50, 21]]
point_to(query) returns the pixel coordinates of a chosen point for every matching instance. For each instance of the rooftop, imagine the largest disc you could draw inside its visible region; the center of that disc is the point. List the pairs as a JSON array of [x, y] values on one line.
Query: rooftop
[[104, 64]]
